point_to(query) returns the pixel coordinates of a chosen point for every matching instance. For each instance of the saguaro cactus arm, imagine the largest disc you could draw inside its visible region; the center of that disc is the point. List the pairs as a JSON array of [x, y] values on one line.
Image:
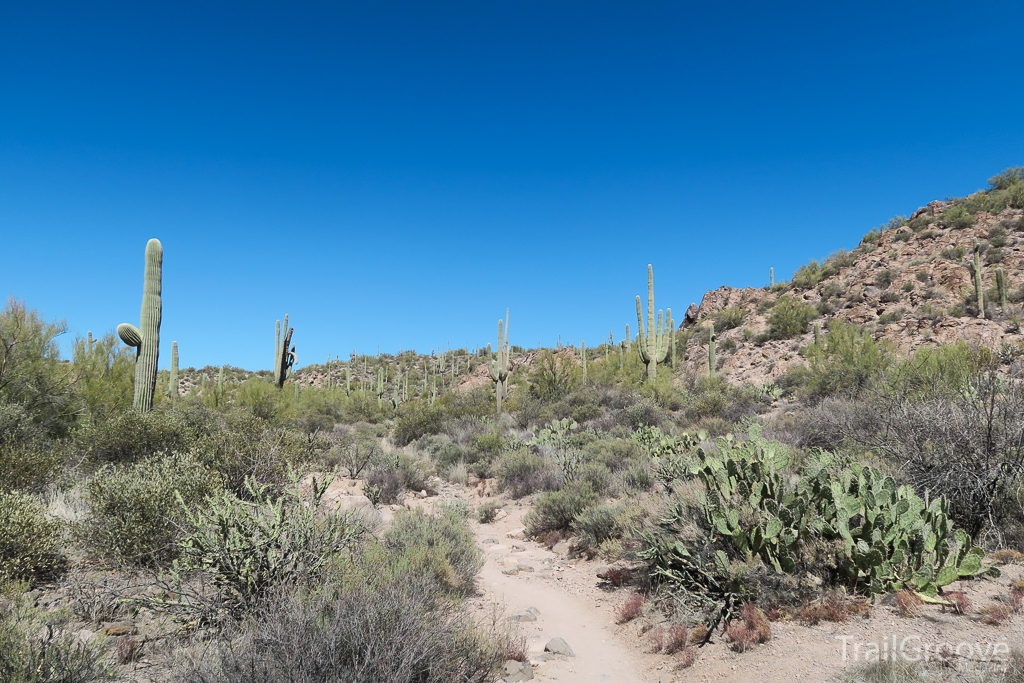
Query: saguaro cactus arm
[[147, 339]]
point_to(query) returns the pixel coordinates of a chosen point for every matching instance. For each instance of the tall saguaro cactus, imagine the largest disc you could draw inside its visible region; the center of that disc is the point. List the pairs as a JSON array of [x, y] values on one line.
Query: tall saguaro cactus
[[711, 350], [172, 381], [1001, 286], [500, 366], [653, 341], [147, 339], [284, 357], [978, 284]]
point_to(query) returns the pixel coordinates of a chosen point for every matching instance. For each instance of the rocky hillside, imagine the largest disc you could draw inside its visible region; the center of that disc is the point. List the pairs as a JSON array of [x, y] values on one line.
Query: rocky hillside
[[910, 283]]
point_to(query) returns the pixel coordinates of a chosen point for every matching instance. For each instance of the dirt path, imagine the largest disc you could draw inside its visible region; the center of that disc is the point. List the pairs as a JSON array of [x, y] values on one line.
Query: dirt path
[[520, 575]]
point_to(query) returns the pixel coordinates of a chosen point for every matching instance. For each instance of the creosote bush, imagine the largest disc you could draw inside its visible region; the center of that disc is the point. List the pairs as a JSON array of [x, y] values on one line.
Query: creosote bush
[[557, 510], [789, 318], [30, 544], [137, 512]]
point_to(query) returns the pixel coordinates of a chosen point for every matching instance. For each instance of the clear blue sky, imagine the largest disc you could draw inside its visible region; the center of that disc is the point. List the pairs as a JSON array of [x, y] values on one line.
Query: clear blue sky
[[397, 174]]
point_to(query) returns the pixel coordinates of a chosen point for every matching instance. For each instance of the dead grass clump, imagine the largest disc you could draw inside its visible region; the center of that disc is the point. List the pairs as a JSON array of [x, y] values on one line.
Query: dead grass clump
[[1005, 607], [550, 539], [632, 608], [685, 658], [1017, 586], [961, 603], [1007, 556], [698, 634], [835, 607], [908, 604], [752, 628], [129, 650], [616, 576], [675, 639]]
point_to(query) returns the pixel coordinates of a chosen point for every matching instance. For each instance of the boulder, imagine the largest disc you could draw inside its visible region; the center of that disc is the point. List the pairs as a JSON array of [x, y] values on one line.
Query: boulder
[[557, 646]]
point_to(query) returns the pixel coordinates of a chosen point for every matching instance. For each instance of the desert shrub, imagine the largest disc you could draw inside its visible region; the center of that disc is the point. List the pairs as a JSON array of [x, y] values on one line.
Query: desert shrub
[[997, 237], [34, 648], [597, 475], [384, 487], [487, 512], [136, 512], [244, 447], [413, 472], [884, 278], [259, 397], [31, 372], [416, 419], [557, 510], [808, 275], [597, 524], [843, 361], [751, 628], [442, 451], [555, 375], [522, 472], [789, 318], [614, 453], [250, 547], [131, 437], [398, 631], [29, 542], [643, 413], [439, 545], [632, 608], [28, 459], [957, 217], [729, 318], [951, 421]]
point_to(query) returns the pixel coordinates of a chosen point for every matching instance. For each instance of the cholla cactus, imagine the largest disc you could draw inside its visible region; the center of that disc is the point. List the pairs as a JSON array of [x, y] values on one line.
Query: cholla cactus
[[501, 366], [147, 340], [653, 341]]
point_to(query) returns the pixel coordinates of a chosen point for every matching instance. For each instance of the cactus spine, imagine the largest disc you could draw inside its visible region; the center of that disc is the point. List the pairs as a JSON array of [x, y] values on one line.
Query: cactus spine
[[711, 350], [978, 286], [172, 382], [1001, 286], [653, 340], [500, 367], [147, 340], [284, 358]]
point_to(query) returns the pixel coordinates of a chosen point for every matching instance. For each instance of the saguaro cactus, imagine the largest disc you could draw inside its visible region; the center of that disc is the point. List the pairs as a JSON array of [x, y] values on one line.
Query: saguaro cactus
[[284, 358], [711, 350], [147, 340], [583, 351], [500, 366], [1001, 286], [771, 277], [979, 287], [172, 381], [653, 341]]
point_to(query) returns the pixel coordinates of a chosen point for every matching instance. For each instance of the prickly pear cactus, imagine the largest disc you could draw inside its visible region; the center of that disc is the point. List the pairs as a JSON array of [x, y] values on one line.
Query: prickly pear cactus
[[147, 339]]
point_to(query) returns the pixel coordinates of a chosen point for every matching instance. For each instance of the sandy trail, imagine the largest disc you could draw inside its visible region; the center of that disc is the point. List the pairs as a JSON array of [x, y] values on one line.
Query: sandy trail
[[579, 614]]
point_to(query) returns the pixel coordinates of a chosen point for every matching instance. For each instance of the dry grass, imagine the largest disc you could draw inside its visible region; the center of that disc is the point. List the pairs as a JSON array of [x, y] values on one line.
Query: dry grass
[[908, 604], [686, 657], [752, 628], [616, 576], [698, 634], [632, 608], [550, 539], [835, 607], [129, 650], [1007, 556], [961, 603]]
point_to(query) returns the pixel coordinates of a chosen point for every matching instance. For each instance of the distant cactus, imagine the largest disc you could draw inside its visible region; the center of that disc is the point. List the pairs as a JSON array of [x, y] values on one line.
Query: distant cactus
[[284, 358], [653, 341], [771, 277], [978, 286], [500, 367], [147, 340], [711, 350], [380, 387], [1001, 286], [583, 352], [172, 382], [629, 339]]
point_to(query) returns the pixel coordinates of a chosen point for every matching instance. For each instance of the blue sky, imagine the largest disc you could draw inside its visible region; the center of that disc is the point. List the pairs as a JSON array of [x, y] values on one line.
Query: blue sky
[[397, 174]]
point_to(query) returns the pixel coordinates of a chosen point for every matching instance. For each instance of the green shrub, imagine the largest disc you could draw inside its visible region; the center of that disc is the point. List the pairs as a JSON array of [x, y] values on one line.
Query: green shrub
[[554, 376], [789, 318], [130, 437], [384, 487], [413, 472], [729, 318], [28, 459], [250, 547], [439, 545], [29, 542], [487, 512], [597, 524], [597, 475], [957, 217], [522, 472], [136, 514], [884, 278], [807, 276], [1008, 178], [38, 647], [557, 510], [844, 361], [417, 419]]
